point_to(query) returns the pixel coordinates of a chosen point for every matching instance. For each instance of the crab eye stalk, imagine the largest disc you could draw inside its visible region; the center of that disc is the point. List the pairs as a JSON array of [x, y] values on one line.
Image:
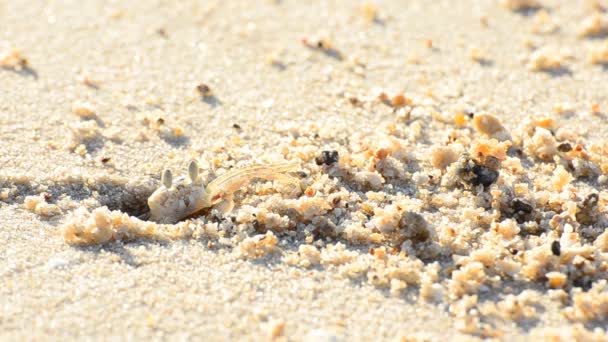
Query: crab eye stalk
[[167, 178], [193, 171]]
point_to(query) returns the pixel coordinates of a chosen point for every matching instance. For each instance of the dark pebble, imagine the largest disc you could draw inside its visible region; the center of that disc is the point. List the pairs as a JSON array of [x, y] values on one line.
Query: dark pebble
[[515, 151], [203, 89], [483, 176], [591, 200], [521, 210], [556, 248], [327, 158], [521, 206], [564, 147], [587, 211]]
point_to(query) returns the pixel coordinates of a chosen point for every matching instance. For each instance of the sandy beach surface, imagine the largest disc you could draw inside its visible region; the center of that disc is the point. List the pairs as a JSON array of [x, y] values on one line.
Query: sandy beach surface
[[451, 169]]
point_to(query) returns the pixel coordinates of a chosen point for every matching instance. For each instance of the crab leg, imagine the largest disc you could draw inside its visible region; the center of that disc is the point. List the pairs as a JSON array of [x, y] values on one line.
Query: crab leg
[[232, 181]]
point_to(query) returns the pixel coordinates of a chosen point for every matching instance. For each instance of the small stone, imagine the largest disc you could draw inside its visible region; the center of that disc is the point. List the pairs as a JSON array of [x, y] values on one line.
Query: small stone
[[400, 100], [595, 25], [469, 172], [84, 110], [483, 176], [545, 59], [564, 147], [442, 157], [599, 54], [414, 227], [81, 149], [556, 248], [56, 262], [162, 32], [561, 178], [382, 153], [382, 96], [487, 124], [203, 89], [478, 55], [13, 59], [322, 44], [556, 279], [521, 210], [354, 100], [460, 119], [587, 211], [369, 12], [522, 206], [178, 131], [277, 329], [327, 158]]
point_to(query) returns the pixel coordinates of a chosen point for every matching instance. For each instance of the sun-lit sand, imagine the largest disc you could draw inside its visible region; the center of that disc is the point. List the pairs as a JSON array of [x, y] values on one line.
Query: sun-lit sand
[[450, 178]]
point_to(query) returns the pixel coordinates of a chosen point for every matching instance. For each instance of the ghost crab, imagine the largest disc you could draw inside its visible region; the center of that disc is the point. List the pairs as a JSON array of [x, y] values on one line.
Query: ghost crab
[[176, 200]]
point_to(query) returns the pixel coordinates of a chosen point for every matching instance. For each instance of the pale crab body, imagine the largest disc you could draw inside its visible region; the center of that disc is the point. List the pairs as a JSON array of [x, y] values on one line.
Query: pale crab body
[[174, 201], [169, 205]]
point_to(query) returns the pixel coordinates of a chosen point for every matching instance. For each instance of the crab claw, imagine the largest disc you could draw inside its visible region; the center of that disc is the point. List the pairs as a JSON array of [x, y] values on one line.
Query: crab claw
[[167, 178], [193, 171]]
